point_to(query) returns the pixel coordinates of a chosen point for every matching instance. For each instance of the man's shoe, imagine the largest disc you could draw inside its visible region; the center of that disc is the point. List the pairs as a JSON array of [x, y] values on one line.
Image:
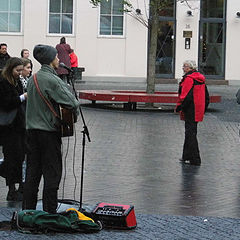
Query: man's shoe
[[196, 163]]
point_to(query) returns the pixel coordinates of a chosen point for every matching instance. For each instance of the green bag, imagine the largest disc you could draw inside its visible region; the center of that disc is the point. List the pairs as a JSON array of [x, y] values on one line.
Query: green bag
[[36, 221]]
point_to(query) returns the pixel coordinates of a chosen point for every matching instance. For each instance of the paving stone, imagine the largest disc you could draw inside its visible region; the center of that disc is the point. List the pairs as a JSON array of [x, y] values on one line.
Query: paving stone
[[133, 159]]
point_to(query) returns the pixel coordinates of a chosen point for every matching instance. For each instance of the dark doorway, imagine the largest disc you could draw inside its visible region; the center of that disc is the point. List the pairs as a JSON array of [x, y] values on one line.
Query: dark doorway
[[165, 49], [212, 39], [165, 56]]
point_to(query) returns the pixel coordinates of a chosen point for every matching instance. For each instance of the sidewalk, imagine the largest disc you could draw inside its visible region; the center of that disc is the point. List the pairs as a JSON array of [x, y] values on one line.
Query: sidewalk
[[133, 159]]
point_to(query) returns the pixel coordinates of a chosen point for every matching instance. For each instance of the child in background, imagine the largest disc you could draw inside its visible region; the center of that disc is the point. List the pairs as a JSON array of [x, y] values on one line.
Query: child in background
[[74, 63]]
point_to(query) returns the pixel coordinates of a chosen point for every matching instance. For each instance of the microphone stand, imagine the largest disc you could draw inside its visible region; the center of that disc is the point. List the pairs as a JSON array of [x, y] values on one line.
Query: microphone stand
[[85, 133]]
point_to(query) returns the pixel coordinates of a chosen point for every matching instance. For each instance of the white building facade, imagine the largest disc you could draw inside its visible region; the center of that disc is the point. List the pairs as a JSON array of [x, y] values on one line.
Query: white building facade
[[113, 46]]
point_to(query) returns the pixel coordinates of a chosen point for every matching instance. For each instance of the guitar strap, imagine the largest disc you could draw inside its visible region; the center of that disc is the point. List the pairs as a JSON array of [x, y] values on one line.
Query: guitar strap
[[44, 99]]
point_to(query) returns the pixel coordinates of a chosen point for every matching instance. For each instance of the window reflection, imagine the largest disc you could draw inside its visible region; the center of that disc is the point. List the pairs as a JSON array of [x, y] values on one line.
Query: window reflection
[[212, 8], [66, 23], [164, 57], [168, 11], [105, 25], [212, 49]]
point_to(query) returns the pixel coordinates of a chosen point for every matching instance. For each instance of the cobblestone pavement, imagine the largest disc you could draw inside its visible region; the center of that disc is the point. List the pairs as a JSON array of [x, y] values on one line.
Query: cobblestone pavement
[[133, 159], [150, 227]]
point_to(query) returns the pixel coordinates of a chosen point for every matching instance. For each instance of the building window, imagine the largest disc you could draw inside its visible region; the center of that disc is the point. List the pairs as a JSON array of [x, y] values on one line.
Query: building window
[[111, 17], [10, 15], [61, 16]]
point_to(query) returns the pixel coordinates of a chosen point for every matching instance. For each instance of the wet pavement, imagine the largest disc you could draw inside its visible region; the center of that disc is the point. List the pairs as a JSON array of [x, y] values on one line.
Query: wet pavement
[[133, 159]]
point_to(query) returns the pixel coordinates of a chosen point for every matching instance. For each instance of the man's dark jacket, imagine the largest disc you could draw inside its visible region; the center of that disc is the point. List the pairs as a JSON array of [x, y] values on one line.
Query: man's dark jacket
[[3, 60]]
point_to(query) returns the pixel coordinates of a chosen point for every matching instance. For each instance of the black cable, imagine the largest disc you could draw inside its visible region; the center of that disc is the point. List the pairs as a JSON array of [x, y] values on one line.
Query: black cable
[[65, 171], [74, 175], [65, 167]]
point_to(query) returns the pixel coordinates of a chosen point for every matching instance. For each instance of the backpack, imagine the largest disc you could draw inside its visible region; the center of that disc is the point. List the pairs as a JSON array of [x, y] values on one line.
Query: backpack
[[207, 98], [36, 221]]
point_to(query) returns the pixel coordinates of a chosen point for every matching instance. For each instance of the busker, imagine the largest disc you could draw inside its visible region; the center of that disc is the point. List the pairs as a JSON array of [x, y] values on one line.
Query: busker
[[12, 98], [193, 99], [44, 139]]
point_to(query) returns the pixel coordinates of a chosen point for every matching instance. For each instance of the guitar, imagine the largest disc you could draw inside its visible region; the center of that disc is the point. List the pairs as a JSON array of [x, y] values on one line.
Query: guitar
[[67, 122]]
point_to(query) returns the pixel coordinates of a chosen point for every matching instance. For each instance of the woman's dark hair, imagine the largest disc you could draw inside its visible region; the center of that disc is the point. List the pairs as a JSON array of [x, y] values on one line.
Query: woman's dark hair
[[8, 69], [23, 50], [62, 40], [25, 61]]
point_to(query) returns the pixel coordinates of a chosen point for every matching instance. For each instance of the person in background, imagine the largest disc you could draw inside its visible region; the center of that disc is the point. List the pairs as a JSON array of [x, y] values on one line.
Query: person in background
[[13, 97], [4, 56], [25, 54], [27, 70], [74, 63], [63, 51], [44, 156], [192, 103], [25, 73]]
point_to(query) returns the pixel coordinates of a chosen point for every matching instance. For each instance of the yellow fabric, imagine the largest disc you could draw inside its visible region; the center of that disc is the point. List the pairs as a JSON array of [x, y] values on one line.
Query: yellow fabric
[[81, 216]]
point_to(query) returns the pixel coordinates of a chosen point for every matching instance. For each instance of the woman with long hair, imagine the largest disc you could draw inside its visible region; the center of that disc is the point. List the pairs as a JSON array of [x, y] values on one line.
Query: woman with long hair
[[63, 50], [12, 97]]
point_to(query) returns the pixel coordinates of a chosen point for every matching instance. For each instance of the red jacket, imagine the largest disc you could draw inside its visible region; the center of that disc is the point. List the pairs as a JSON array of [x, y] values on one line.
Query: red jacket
[[191, 98], [73, 59]]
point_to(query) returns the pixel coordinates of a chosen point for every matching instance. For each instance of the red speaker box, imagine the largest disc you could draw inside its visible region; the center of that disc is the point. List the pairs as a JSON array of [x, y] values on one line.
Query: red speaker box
[[115, 215]]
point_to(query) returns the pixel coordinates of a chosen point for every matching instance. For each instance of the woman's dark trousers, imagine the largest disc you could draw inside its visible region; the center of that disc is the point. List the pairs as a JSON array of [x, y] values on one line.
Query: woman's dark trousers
[[190, 147], [43, 159], [14, 153]]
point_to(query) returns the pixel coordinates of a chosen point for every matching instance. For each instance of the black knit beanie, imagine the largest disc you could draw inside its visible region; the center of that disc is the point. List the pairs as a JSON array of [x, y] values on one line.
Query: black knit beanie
[[44, 54]]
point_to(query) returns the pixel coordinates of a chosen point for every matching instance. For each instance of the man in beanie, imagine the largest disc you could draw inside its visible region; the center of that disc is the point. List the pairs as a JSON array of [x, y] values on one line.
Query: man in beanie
[[44, 139]]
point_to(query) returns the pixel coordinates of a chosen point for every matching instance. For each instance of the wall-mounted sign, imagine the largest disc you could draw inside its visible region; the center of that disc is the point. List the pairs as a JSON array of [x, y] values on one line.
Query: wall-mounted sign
[[187, 34]]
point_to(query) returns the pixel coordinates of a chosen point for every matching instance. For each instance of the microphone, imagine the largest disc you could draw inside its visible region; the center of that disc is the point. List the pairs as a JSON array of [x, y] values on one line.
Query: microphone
[[61, 64]]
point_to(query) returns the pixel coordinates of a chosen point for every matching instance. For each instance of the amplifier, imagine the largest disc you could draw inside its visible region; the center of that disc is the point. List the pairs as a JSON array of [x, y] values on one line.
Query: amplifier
[[115, 215]]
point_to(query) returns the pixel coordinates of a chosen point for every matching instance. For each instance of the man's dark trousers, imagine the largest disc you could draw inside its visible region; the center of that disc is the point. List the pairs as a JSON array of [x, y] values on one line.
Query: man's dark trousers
[[43, 159], [190, 147]]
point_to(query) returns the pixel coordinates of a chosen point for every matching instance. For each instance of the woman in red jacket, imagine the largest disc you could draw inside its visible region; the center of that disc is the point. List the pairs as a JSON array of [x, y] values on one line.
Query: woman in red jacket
[[191, 105]]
